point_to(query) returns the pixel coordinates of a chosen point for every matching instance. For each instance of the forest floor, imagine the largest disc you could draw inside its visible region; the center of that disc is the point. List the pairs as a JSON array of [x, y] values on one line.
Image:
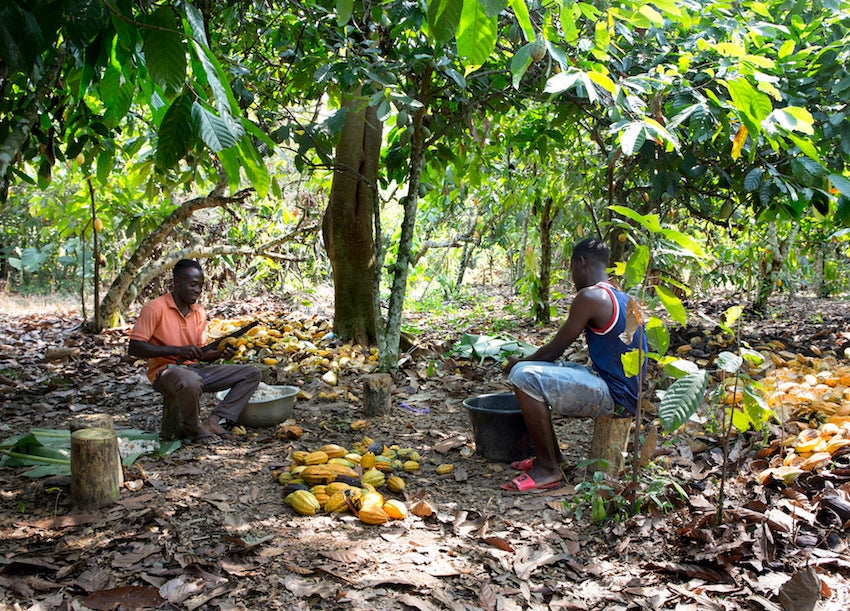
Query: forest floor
[[206, 527]]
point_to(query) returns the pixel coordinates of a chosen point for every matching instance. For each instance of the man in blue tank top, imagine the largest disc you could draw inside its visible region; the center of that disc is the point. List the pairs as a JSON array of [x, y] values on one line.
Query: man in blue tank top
[[540, 383]]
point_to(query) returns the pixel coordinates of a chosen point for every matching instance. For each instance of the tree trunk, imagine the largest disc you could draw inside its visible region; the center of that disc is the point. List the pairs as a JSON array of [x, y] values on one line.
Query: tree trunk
[[347, 227], [541, 304], [388, 346], [114, 302], [771, 264], [95, 466], [820, 271], [377, 391]]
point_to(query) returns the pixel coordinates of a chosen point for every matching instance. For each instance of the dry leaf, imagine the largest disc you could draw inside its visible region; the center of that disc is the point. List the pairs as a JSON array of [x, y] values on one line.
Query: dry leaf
[[801, 592]]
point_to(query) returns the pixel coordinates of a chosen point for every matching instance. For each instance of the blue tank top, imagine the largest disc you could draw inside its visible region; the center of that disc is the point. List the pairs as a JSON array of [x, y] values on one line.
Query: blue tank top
[[606, 347]]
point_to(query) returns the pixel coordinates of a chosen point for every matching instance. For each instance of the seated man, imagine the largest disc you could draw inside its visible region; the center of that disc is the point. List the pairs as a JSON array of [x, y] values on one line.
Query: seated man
[[171, 331], [599, 309]]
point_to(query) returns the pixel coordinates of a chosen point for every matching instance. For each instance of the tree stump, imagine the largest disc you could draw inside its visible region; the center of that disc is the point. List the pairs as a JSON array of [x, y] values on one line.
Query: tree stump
[[610, 441], [171, 426], [94, 468], [97, 421], [92, 421], [376, 394]]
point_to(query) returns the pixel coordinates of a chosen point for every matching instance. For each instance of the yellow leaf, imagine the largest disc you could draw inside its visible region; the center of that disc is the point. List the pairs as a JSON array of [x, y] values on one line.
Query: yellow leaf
[[738, 142]]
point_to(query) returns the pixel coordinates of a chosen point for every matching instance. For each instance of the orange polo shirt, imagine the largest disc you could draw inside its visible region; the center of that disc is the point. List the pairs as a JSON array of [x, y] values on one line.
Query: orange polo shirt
[[162, 323]]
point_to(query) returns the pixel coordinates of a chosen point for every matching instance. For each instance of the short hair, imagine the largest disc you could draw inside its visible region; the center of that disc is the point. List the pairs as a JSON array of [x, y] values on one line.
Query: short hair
[[184, 264], [592, 249]]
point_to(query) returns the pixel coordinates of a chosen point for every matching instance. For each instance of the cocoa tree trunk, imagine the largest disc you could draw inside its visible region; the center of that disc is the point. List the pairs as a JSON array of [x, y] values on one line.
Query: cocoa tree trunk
[[114, 302], [347, 226], [541, 304], [771, 264], [388, 341]]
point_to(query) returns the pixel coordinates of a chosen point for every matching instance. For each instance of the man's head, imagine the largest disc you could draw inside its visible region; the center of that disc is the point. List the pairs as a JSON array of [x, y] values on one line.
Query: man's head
[[188, 281], [588, 263]]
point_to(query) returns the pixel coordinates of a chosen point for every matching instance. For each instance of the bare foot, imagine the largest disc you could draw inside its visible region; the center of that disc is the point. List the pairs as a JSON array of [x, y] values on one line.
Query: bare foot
[[212, 425]]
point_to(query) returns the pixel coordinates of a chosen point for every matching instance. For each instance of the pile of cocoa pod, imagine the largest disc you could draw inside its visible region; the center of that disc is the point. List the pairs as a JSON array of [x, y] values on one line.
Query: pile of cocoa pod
[[332, 479]]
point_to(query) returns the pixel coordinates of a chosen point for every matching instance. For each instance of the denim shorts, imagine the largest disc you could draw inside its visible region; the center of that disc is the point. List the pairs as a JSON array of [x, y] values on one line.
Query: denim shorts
[[568, 388]]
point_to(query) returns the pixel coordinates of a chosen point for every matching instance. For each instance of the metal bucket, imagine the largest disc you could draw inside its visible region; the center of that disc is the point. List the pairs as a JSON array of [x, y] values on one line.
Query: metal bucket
[[498, 427]]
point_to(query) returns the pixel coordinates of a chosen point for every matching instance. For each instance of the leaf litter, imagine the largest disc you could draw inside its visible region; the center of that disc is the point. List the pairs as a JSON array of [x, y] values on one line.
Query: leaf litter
[[208, 526]]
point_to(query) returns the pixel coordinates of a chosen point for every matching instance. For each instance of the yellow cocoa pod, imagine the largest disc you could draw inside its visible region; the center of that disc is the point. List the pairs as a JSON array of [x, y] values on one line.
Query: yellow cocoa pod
[[410, 466], [367, 460], [373, 477], [303, 502], [284, 477], [414, 455], [333, 450], [297, 470], [239, 430], [395, 509], [298, 457], [270, 361], [382, 463], [316, 458], [353, 457], [395, 483], [318, 474], [341, 470], [320, 489], [98, 225], [444, 468], [336, 503], [374, 515], [335, 487], [341, 461], [369, 500], [322, 498]]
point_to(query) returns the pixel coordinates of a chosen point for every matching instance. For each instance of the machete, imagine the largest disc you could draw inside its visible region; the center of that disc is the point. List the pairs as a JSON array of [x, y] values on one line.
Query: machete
[[213, 345]]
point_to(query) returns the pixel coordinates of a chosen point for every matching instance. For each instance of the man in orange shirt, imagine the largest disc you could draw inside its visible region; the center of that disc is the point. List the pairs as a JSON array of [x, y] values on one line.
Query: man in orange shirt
[[171, 331]]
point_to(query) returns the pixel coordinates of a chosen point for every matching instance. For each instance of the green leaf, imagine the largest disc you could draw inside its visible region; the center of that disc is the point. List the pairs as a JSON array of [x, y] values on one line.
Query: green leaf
[[682, 399], [521, 12], [632, 138], [85, 19], [224, 99], [752, 180], [729, 362], [520, 63], [652, 15], [631, 362], [562, 81], [443, 19], [677, 368], [196, 22], [657, 335], [493, 7], [841, 183], [105, 162], [214, 130], [255, 166], [753, 105], [650, 222], [174, 137], [731, 316], [637, 265], [343, 11], [752, 356], [805, 145], [686, 242], [476, 34], [165, 54], [672, 304]]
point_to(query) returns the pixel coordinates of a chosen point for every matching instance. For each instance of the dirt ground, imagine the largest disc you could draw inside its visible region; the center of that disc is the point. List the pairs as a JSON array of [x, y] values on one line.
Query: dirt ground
[[208, 529]]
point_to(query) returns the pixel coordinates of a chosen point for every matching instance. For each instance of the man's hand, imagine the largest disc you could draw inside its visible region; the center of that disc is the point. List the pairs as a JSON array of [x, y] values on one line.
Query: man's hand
[[188, 353], [226, 354]]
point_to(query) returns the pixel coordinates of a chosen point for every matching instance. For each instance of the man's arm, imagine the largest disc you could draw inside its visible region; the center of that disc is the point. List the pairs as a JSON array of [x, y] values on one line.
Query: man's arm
[[147, 350], [586, 307]]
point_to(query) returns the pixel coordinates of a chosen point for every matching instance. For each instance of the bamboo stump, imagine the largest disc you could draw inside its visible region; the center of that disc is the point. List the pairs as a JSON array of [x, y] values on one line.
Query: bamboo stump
[[94, 468], [376, 394], [172, 421], [92, 421], [610, 441]]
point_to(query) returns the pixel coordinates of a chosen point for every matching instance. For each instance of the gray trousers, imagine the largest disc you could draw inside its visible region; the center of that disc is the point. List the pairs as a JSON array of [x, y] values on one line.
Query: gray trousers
[[186, 383]]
